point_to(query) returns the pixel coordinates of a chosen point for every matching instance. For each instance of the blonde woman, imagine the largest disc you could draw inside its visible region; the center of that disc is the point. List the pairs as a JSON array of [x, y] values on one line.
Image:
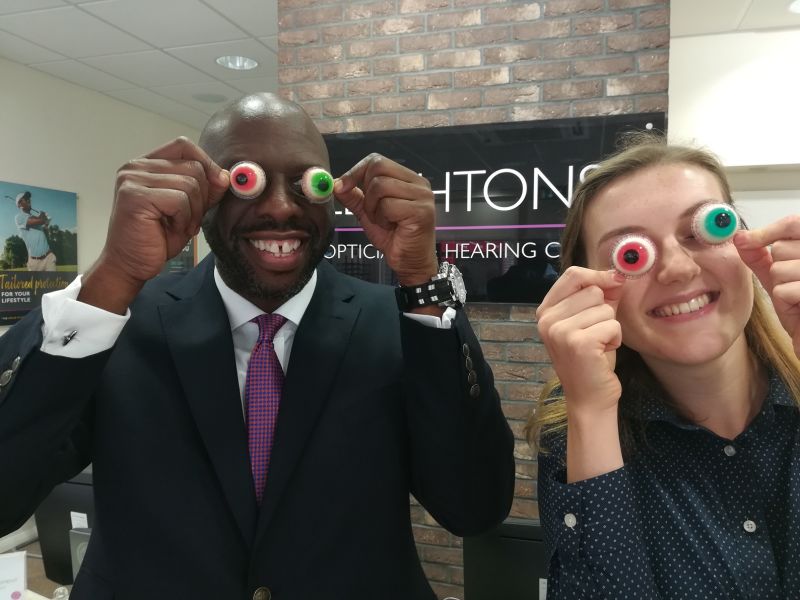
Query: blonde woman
[[669, 446]]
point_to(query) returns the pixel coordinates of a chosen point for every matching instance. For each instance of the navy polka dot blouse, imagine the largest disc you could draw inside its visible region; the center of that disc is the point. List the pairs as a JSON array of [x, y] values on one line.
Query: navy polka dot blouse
[[690, 516]]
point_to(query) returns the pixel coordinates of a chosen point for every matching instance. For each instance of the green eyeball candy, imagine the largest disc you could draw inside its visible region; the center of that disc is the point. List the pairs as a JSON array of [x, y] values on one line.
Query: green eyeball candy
[[317, 185], [715, 224]]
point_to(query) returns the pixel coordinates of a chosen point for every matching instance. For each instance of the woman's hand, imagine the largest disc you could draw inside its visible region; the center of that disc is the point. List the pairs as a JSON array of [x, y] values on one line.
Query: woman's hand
[[773, 254], [578, 325]]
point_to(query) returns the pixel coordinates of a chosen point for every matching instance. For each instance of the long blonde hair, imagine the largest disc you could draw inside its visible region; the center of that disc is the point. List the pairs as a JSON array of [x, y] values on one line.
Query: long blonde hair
[[765, 337]]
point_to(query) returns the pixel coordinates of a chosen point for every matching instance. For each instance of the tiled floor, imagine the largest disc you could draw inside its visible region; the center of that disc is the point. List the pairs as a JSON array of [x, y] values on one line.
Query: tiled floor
[[37, 580]]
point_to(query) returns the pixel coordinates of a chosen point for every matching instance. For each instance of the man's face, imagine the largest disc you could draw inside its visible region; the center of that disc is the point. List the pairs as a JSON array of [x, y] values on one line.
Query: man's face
[[268, 247], [25, 204]]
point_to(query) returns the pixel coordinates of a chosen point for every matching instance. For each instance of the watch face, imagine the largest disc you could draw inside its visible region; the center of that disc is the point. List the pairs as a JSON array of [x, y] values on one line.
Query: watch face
[[458, 284]]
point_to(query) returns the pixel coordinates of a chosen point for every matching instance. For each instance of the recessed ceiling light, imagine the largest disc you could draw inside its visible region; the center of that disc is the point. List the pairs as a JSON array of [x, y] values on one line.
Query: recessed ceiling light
[[237, 63], [795, 7], [210, 98]]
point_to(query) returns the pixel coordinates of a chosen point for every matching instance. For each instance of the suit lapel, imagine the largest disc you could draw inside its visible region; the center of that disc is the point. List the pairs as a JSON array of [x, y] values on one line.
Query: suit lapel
[[198, 334], [317, 352]]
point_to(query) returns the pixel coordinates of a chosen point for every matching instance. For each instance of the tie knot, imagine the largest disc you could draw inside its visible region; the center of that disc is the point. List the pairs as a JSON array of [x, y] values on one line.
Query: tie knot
[[268, 324]]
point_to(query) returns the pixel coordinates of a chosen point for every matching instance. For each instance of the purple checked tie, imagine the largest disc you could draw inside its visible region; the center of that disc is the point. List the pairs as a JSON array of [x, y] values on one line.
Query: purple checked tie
[[262, 396]]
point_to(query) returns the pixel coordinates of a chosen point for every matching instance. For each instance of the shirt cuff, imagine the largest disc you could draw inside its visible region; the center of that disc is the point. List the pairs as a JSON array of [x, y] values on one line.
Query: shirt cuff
[[74, 329], [445, 322], [596, 515]]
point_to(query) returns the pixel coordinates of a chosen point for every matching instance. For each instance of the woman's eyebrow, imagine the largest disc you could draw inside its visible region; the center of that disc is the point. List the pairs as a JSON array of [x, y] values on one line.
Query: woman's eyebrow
[[618, 232]]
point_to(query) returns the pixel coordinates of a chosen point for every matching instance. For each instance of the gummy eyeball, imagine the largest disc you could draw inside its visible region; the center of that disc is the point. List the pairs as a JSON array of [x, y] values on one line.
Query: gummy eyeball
[[317, 185], [247, 180], [715, 223], [633, 255]]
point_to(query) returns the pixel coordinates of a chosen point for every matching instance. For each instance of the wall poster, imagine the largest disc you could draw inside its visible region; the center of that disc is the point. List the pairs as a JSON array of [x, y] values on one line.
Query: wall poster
[[39, 254]]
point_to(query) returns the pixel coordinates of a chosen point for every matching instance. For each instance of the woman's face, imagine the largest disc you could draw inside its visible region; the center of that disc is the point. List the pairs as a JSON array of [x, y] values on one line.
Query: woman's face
[[710, 282]]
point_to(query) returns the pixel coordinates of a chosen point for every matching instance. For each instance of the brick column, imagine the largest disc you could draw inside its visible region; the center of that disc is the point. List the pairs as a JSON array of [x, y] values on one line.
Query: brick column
[[397, 64]]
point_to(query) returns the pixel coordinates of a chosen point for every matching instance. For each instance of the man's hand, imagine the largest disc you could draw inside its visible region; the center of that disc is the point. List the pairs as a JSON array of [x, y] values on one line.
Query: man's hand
[[159, 203], [395, 207]]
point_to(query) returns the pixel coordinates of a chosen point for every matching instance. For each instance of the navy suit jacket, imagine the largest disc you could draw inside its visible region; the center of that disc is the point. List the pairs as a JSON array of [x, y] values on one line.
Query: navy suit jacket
[[375, 406]]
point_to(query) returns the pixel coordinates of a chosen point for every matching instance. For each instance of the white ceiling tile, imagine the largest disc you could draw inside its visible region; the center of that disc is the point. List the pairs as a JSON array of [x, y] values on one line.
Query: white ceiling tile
[[83, 75], [271, 42], [194, 119], [257, 17], [185, 95], [254, 85], [162, 106], [764, 14], [689, 17], [23, 51], [13, 6], [204, 57], [148, 69], [167, 23], [70, 31]]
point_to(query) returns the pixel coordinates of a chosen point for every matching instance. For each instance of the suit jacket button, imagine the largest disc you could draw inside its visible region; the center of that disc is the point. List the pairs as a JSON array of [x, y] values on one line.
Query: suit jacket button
[[465, 349], [468, 363], [6, 377], [262, 593], [15, 364], [475, 391], [472, 377]]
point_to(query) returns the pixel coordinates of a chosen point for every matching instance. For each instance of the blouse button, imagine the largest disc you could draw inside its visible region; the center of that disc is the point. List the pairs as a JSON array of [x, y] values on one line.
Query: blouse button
[[570, 520], [749, 526], [729, 450]]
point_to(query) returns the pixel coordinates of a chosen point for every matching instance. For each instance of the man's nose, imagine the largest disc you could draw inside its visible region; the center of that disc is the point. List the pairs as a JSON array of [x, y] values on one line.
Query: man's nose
[[278, 201]]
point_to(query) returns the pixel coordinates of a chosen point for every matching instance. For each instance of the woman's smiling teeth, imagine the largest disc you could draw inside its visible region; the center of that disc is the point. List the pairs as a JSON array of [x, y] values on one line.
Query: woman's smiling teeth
[[683, 308], [277, 247]]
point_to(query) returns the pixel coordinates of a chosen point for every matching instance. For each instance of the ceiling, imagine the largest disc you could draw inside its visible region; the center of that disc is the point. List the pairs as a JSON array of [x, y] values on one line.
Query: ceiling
[[707, 17], [159, 54], [155, 54]]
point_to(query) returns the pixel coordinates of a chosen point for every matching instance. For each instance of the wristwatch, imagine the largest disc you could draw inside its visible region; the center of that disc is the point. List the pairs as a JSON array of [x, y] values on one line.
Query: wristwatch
[[446, 288]]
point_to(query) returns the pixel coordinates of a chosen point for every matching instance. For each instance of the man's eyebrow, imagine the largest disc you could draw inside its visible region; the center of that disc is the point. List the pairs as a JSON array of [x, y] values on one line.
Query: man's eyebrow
[[638, 229]]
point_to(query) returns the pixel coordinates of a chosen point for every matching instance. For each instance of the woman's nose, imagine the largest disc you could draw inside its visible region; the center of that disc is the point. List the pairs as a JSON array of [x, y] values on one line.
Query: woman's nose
[[676, 264]]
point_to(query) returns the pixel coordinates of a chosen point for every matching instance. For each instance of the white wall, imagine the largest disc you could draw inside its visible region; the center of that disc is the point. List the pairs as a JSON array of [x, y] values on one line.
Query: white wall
[[762, 208], [57, 135], [737, 94]]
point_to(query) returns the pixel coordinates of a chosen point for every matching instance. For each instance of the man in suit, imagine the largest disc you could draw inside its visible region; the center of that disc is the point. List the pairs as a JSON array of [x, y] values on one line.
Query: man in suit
[[146, 377]]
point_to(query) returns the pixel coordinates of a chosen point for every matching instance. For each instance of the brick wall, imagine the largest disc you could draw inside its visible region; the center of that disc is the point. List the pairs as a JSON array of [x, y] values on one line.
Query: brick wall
[[397, 64]]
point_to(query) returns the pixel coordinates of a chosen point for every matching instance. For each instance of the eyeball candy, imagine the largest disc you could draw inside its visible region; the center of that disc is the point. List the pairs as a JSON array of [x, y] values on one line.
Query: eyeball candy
[[633, 256], [317, 185], [715, 224], [247, 180]]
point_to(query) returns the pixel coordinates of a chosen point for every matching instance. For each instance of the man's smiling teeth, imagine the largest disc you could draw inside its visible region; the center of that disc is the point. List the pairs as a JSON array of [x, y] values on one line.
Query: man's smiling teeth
[[683, 308], [277, 247]]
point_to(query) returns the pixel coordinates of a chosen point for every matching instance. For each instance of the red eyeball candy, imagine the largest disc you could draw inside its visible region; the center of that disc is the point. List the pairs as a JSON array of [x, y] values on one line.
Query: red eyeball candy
[[247, 180], [633, 256]]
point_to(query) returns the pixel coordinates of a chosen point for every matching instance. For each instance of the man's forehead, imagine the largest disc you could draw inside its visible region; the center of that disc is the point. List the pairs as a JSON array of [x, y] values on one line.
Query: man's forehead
[[287, 136]]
